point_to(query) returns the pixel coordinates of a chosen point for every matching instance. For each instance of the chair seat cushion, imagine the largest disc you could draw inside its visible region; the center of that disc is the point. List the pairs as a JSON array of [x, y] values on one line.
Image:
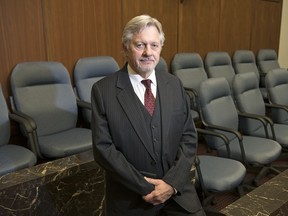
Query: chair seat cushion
[[281, 133], [221, 174], [14, 157], [66, 143], [257, 150]]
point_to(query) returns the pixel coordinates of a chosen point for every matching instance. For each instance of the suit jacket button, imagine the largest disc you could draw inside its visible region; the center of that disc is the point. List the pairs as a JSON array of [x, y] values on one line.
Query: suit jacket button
[[153, 163]]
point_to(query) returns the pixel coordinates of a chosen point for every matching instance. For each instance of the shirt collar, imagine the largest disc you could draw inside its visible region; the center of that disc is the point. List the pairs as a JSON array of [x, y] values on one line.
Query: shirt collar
[[137, 78]]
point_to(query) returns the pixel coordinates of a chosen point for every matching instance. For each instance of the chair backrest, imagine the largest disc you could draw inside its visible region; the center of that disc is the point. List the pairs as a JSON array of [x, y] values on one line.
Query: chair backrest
[[219, 64], [277, 88], [267, 60], [43, 90], [162, 65], [244, 62], [217, 107], [89, 70], [249, 99], [4, 120], [189, 68]]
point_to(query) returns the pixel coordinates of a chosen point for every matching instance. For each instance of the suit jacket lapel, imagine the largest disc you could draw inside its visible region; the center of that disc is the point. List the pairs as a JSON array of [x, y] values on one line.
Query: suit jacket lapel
[[165, 101], [128, 100]]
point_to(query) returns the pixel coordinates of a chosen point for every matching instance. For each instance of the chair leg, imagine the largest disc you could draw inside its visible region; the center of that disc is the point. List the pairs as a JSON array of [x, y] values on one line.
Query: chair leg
[[264, 172], [244, 189]]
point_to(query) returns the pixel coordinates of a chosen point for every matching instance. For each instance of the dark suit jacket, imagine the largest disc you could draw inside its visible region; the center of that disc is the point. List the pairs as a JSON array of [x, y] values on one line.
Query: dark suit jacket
[[120, 141]]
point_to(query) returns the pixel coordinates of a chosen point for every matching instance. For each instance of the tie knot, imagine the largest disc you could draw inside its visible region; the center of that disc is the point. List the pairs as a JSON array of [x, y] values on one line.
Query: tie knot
[[147, 83]]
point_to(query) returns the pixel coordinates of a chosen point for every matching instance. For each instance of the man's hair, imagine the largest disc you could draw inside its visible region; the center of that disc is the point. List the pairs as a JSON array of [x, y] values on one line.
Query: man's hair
[[137, 24]]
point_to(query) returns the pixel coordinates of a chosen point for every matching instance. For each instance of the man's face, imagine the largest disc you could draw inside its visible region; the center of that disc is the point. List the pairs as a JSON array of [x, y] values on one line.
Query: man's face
[[144, 51]]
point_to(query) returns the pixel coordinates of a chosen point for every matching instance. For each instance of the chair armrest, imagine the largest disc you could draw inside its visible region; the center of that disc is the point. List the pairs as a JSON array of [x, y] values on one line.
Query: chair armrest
[[29, 126], [193, 91], [263, 119], [276, 106], [237, 133], [213, 133], [229, 130], [28, 118], [23, 121]]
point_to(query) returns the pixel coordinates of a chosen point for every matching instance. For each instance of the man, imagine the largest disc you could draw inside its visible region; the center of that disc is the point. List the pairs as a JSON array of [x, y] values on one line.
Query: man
[[147, 153]]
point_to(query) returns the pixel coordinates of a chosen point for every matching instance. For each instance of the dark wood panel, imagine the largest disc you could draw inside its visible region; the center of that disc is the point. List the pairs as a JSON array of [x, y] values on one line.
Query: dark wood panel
[[163, 10], [22, 37], [235, 25], [4, 68], [199, 26], [266, 25], [76, 29]]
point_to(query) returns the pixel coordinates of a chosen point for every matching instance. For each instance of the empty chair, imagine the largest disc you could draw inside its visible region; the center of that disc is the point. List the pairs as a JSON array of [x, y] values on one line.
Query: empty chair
[[244, 62], [249, 100], [217, 174], [12, 157], [267, 60], [87, 71], [42, 92], [219, 64], [219, 113], [189, 68], [277, 88]]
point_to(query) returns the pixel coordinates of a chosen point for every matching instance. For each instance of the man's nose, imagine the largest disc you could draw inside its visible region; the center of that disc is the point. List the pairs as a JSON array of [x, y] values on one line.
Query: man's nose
[[147, 50]]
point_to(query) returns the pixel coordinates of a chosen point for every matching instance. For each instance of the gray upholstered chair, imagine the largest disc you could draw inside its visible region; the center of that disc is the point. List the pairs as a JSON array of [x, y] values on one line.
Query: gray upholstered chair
[[277, 88], [266, 60], [249, 100], [42, 92], [87, 71], [189, 68], [12, 157], [218, 113], [217, 174], [219, 64], [244, 62]]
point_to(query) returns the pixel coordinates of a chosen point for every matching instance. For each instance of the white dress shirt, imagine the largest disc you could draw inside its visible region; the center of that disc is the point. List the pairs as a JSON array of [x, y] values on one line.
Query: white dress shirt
[[138, 87]]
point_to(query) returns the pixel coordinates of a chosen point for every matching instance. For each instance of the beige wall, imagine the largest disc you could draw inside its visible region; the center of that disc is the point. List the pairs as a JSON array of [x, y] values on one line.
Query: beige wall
[[283, 45]]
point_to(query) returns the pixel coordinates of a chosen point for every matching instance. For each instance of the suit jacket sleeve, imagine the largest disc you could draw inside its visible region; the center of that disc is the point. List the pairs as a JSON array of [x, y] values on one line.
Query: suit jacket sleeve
[[179, 174]]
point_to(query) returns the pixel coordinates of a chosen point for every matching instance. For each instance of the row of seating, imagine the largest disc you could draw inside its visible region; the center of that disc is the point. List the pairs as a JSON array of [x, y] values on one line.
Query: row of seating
[[239, 114], [260, 145], [43, 97], [192, 70]]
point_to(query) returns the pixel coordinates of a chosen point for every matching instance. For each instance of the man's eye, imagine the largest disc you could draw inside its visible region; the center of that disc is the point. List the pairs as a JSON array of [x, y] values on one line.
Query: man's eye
[[140, 45], [155, 46]]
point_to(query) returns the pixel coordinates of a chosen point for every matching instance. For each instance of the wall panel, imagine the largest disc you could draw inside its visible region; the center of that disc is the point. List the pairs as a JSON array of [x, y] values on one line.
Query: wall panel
[[66, 30], [199, 26], [266, 24], [82, 28], [22, 37], [235, 25]]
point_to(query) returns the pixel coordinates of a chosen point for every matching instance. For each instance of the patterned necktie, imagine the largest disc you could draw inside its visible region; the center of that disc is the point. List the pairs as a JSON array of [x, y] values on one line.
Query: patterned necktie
[[149, 100]]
